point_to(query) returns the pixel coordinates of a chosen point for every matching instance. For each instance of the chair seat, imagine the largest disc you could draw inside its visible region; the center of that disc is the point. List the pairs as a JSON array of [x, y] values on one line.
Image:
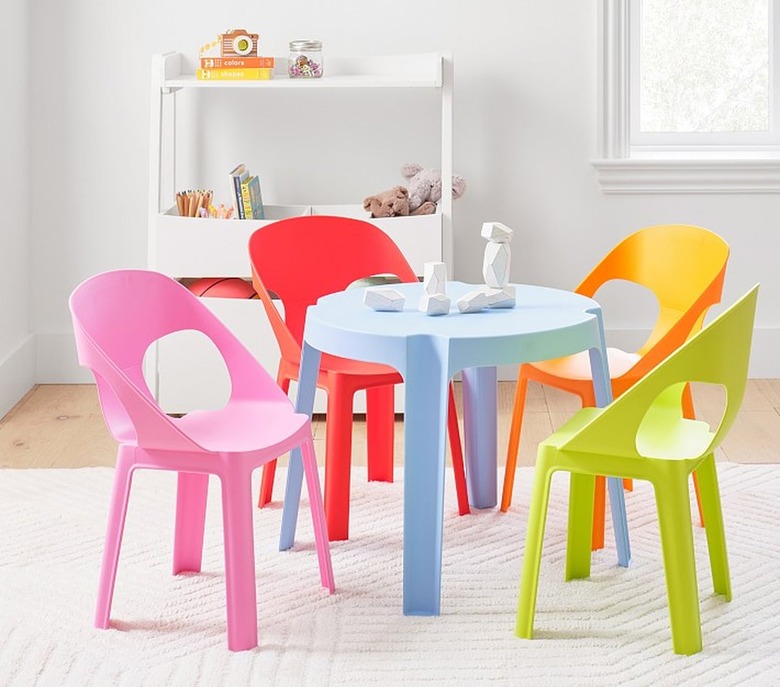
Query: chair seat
[[680, 439], [677, 440], [241, 427], [577, 366], [333, 363]]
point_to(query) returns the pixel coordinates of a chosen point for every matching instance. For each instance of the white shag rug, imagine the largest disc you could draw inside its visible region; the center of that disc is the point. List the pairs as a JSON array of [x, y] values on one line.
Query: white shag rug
[[610, 629]]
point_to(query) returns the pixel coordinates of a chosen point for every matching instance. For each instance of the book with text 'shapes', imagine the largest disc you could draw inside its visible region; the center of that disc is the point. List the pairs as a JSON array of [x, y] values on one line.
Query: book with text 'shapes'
[[237, 176], [236, 62], [239, 74]]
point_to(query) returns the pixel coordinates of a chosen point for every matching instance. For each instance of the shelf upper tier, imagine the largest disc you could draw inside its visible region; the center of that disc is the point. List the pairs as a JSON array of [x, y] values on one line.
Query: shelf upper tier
[[385, 71]]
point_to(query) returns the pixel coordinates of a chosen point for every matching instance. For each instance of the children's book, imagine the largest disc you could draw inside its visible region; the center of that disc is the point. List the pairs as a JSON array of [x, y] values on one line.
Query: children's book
[[237, 74], [247, 198], [238, 175], [252, 186], [237, 62], [253, 201]]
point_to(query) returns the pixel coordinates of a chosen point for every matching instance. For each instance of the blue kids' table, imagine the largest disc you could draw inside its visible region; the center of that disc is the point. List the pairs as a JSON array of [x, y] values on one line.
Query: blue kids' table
[[428, 351]]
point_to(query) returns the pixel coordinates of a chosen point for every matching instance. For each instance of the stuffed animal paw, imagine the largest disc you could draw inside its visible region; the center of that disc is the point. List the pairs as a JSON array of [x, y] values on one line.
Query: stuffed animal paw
[[427, 208]]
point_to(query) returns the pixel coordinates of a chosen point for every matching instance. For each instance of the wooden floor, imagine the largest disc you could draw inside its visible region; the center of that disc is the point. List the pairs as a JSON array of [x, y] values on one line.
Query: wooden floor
[[60, 426]]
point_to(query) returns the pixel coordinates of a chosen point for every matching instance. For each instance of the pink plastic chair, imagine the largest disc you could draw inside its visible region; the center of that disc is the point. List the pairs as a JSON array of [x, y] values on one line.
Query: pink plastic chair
[[116, 317]]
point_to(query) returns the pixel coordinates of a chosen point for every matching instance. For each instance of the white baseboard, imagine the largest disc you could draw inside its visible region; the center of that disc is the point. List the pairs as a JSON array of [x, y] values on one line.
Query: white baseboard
[[17, 374], [55, 361]]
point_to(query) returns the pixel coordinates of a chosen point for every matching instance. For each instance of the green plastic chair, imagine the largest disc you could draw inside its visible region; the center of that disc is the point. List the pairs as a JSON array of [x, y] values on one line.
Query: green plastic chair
[[643, 435]]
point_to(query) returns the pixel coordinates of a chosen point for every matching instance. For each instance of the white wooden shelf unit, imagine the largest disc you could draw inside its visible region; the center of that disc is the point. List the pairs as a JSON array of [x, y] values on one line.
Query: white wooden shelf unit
[[189, 247]]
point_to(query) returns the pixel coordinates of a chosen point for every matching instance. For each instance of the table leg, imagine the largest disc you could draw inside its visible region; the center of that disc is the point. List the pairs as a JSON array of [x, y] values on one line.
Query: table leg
[[304, 403], [602, 389], [425, 430], [481, 431]]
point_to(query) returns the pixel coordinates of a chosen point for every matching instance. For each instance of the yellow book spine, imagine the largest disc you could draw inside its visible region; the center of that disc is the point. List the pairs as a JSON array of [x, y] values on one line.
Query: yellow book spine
[[248, 214], [245, 73]]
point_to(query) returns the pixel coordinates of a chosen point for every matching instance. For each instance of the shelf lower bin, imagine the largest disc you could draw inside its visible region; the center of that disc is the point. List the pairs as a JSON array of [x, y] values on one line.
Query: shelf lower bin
[[193, 247]]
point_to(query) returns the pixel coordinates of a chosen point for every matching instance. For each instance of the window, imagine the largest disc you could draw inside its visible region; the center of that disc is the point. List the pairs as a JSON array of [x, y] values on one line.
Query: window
[[688, 95]]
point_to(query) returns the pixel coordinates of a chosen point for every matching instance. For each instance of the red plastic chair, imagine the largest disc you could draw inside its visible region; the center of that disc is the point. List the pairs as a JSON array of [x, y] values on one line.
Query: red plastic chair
[[299, 260], [116, 317]]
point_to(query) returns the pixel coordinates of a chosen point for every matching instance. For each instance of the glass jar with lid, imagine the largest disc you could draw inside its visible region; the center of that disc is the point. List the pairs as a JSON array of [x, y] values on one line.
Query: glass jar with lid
[[305, 59]]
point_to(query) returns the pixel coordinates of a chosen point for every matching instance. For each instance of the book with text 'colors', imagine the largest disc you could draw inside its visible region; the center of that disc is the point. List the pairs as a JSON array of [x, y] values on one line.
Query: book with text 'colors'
[[236, 62]]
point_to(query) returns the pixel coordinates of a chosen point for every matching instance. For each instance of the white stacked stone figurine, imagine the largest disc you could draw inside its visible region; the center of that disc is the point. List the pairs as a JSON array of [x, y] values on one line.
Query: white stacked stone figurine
[[384, 299], [496, 263], [434, 300], [497, 292]]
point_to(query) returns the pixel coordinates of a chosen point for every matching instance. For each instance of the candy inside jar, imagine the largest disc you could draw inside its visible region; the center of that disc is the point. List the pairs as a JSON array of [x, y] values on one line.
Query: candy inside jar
[[305, 59]]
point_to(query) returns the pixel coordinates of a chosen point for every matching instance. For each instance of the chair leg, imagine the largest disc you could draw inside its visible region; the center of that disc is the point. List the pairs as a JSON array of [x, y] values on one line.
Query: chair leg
[[240, 581], [689, 412], [716, 536], [317, 515], [191, 495], [380, 432], [600, 509], [456, 449], [599, 513], [123, 477], [267, 484], [696, 490], [269, 469], [338, 462], [581, 526], [513, 449], [532, 555], [674, 519]]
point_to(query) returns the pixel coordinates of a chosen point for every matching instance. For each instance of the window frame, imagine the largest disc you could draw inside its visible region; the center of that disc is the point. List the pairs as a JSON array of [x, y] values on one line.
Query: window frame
[[622, 168]]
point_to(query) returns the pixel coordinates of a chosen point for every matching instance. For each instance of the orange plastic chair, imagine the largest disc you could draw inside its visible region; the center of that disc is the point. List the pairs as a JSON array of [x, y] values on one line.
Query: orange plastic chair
[[299, 260], [684, 267]]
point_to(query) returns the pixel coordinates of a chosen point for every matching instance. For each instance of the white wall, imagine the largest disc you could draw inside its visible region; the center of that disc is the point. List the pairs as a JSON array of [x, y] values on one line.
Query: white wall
[[525, 101], [17, 352]]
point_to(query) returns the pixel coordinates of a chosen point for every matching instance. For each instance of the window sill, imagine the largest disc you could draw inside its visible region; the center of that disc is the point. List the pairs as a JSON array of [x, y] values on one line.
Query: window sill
[[670, 175]]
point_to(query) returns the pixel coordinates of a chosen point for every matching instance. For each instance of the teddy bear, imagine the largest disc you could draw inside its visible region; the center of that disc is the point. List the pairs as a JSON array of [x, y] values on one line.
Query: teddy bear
[[395, 203], [425, 185]]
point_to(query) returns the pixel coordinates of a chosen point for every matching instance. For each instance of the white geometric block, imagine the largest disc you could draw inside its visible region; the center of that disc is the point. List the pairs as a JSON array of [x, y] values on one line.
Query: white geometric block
[[437, 304], [474, 301], [435, 278], [500, 298], [496, 232], [383, 299], [495, 266]]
